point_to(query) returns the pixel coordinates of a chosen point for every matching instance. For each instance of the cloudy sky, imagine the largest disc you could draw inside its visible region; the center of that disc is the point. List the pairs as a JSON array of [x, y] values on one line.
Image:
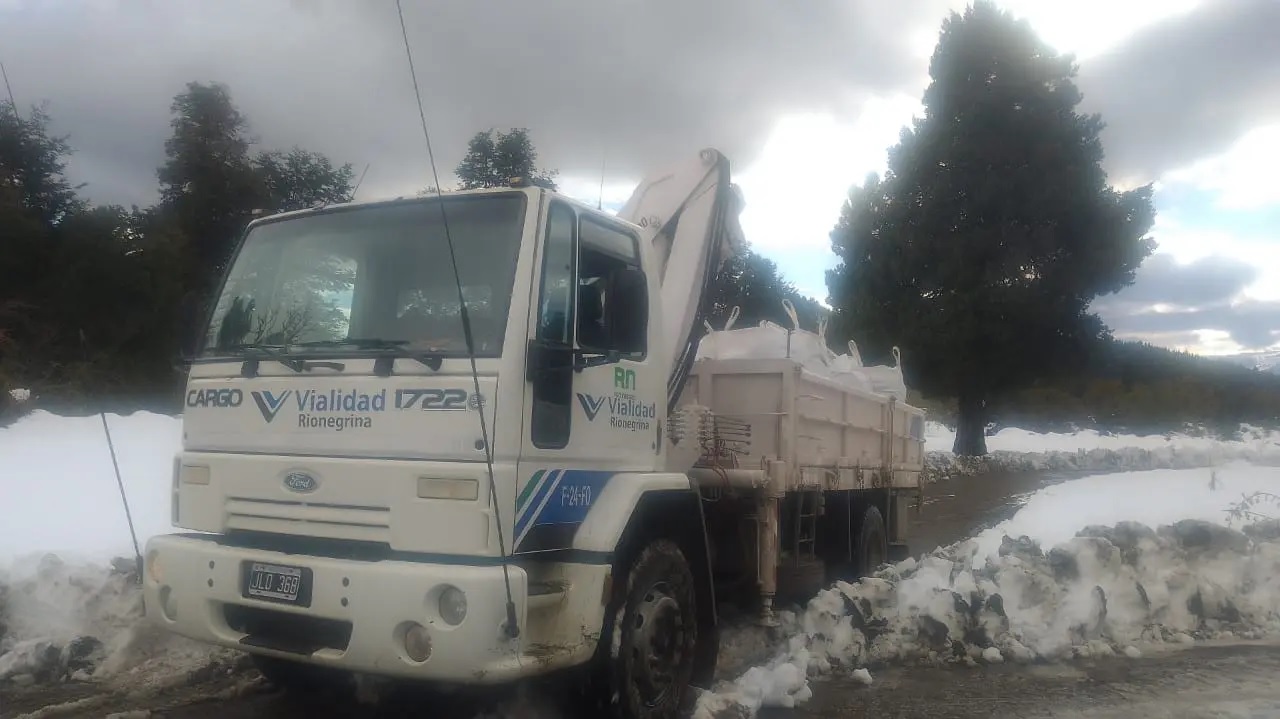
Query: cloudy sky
[[804, 97]]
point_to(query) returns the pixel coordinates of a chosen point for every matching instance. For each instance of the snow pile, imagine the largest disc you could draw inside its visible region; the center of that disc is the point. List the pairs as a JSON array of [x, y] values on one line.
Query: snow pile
[[1106, 590], [70, 621], [67, 611], [1020, 450]]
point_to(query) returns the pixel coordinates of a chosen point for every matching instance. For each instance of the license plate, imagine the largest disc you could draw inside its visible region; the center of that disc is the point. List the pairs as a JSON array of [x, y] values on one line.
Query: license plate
[[277, 583]]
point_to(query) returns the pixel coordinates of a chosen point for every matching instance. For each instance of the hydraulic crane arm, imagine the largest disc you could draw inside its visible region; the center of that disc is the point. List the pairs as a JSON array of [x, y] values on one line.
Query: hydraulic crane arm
[[690, 215]]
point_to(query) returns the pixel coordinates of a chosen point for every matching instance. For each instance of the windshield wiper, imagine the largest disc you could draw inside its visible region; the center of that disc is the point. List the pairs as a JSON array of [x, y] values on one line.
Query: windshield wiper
[[391, 350], [250, 366], [297, 364]]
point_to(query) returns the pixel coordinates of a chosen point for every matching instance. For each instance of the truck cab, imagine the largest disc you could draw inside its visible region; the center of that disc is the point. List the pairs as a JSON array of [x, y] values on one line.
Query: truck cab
[[376, 481]]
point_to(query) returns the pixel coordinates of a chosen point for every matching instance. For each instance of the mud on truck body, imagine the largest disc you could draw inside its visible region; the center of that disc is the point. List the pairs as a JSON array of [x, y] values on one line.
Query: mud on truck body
[[372, 486]]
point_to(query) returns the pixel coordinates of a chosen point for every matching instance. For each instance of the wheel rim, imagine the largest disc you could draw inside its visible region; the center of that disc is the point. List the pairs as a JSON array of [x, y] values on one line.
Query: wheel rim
[[657, 644]]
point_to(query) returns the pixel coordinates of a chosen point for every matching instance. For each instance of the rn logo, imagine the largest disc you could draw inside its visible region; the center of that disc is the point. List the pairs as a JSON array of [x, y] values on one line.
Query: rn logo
[[624, 379], [228, 397]]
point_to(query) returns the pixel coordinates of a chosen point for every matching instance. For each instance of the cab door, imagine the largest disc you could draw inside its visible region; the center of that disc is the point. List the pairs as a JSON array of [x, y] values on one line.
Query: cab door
[[594, 402]]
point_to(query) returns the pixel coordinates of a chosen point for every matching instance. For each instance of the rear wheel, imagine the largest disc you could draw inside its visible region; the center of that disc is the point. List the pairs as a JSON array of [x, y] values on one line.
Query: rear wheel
[[654, 633], [873, 542]]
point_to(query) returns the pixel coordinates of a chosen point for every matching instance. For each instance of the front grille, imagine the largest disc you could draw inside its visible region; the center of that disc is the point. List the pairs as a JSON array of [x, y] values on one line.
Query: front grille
[[284, 632], [336, 521]]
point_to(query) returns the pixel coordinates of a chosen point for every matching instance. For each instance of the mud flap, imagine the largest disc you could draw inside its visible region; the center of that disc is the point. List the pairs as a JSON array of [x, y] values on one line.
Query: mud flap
[[708, 646]]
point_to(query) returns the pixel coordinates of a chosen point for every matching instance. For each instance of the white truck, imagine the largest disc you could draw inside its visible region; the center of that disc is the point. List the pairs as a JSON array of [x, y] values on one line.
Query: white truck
[[377, 483]]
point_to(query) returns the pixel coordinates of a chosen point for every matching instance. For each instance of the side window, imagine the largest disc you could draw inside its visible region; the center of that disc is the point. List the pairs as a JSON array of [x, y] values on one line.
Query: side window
[[607, 257], [555, 303], [553, 394]]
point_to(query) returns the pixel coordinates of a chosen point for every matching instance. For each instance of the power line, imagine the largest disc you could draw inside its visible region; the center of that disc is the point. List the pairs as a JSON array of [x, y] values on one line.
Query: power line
[[8, 88]]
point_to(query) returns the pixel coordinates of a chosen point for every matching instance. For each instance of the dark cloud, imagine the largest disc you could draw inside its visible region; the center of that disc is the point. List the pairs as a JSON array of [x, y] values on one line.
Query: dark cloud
[[1201, 295], [630, 83], [1252, 324], [626, 82], [1186, 87], [1205, 281]]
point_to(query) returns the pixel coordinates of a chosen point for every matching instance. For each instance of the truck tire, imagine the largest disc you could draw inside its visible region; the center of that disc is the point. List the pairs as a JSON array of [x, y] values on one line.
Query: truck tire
[[654, 633], [873, 542]]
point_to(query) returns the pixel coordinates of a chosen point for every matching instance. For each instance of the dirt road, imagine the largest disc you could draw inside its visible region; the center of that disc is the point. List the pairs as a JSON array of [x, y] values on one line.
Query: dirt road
[[1224, 680], [1204, 681]]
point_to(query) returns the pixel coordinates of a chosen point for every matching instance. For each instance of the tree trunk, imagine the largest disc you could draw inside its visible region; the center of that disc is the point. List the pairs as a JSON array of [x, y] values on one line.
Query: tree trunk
[[971, 425]]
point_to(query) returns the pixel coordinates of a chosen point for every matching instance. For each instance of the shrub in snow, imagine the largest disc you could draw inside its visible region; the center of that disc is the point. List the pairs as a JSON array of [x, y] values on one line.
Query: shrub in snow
[[1102, 593], [14, 404]]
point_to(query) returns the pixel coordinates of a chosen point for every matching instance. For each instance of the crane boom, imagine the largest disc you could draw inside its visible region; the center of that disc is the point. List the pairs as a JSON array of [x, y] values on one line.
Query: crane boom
[[690, 215]]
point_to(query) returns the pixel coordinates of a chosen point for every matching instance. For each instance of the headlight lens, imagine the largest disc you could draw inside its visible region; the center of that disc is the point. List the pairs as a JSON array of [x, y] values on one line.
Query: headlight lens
[[417, 643], [155, 572], [453, 606]]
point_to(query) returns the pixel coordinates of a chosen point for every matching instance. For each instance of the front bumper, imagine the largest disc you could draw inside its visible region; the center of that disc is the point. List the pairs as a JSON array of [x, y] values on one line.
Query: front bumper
[[357, 615]]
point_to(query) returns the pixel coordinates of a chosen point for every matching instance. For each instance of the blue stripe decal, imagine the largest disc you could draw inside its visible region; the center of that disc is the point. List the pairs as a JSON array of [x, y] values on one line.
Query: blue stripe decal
[[530, 510], [575, 493]]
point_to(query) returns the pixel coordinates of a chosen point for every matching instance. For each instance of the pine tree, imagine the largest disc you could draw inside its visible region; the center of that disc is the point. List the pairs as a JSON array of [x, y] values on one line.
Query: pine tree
[[993, 228]]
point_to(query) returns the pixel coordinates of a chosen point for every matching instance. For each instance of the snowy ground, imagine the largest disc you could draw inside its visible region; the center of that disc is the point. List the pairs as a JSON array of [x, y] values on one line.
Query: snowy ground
[[1069, 575], [1143, 577], [1013, 449]]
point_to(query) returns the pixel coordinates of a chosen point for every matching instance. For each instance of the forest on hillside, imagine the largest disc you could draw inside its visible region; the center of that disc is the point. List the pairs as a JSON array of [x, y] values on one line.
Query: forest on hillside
[[1134, 387]]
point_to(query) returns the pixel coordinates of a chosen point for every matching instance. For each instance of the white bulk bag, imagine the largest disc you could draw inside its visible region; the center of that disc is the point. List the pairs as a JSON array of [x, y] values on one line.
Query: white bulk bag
[[849, 362], [887, 380], [768, 340], [708, 345], [847, 370]]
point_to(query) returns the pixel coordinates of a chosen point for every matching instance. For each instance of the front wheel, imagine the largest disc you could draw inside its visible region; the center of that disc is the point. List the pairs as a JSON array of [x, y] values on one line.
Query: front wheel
[[654, 633]]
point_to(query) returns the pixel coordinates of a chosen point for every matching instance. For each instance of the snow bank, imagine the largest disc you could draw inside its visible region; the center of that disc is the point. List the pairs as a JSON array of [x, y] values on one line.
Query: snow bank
[[62, 621], [1103, 590], [67, 611], [59, 490], [1109, 590], [1020, 450]]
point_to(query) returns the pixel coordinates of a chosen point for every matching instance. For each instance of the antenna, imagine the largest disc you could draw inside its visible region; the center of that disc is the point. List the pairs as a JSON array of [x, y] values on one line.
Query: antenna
[[8, 88], [512, 628], [359, 182], [137, 553], [604, 156]]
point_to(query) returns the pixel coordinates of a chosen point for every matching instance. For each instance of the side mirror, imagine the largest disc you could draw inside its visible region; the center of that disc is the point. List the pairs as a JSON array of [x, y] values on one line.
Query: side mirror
[[627, 308], [547, 358]]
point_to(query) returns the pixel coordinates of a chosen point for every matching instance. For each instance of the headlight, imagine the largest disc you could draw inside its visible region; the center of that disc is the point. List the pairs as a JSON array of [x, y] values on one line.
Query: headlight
[[417, 642], [453, 606], [155, 571]]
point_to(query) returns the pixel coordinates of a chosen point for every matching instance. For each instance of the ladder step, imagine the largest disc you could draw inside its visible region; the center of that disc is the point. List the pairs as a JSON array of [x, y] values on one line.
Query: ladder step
[[543, 595]]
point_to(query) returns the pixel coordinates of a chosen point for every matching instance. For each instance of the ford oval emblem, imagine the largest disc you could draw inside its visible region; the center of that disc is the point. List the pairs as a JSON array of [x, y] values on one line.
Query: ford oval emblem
[[300, 482]]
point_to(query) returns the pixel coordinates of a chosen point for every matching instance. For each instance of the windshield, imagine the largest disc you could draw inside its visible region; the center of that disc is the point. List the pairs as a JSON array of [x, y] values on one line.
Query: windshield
[[377, 276]]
